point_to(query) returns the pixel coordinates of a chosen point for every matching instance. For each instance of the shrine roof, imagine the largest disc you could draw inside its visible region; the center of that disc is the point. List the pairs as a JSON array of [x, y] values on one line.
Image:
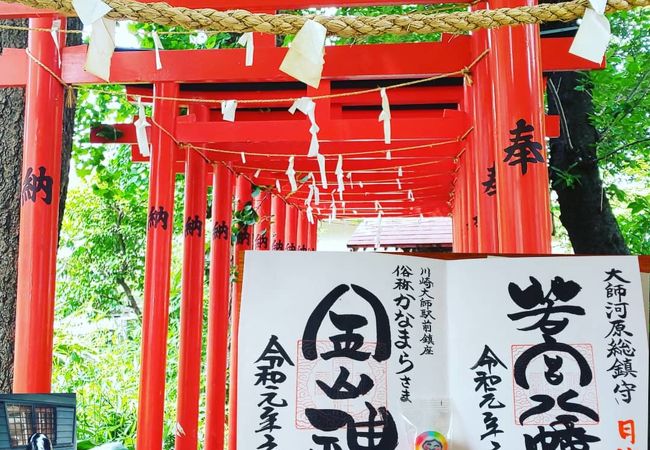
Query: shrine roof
[[404, 232]]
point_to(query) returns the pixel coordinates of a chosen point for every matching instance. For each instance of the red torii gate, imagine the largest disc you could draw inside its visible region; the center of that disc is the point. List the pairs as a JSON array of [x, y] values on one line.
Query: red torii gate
[[447, 134]]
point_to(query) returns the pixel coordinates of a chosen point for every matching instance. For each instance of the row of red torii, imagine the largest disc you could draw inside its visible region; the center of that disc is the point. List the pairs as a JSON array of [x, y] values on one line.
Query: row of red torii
[[469, 146]]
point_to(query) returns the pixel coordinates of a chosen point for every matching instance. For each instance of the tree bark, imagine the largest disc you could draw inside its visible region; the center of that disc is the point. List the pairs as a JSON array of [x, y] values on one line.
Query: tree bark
[[585, 211], [12, 105]]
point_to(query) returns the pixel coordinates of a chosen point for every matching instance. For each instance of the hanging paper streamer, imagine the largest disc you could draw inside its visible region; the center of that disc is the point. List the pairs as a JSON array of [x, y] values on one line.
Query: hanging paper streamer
[[257, 173], [90, 11], [410, 195], [400, 173], [243, 157], [277, 186], [388, 155], [592, 38], [228, 108], [315, 189], [361, 184], [179, 431], [141, 125], [339, 176], [399, 184], [321, 168], [599, 6], [384, 116], [307, 106], [350, 180], [378, 206], [247, 40], [101, 48], [333, 208], [310, 215], [54, 32], [304, 60], [157, 45], [309, 196], [291, 174]]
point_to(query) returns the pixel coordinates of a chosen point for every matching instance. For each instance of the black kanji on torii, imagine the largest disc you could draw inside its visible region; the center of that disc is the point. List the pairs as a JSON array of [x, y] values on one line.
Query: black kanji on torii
[[523, 149], [244, 235], [220, 230], [491, 183], [192, 225], [33, 184], [261, 242], [158, 216]]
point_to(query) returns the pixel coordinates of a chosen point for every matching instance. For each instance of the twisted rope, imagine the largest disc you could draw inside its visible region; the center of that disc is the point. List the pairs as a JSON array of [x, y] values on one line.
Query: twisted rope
[[240, 21]]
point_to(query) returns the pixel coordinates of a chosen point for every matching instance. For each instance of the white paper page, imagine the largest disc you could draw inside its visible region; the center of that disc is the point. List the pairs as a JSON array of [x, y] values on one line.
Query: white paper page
[[478, 309], [281, 291]]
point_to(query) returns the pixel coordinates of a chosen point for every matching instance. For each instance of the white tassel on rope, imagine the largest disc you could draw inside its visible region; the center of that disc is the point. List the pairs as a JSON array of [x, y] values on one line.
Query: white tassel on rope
[[307, 106], [410, 195], [243, 157], [384, 116], [399, 184], [400, 172], [257, 173], [310, 214], [141, 125], [340, 175], [55, 32], [228, 109], [277, 186], [304, 60], [157, 45], [291, 174], [593, 35], [321, 168], [247, 40], [350, 180]]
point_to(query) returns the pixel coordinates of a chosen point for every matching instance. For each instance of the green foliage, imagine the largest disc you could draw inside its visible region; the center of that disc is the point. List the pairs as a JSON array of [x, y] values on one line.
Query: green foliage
[[621, 95], [245, 217]]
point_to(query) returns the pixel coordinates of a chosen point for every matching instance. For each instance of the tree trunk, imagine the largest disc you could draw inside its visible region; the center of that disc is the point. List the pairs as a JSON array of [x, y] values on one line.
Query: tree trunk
[[12, 105], [585, 211]]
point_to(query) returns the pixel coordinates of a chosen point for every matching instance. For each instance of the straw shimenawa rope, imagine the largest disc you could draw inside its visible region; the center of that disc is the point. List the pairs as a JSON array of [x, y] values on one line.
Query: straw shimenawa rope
[[240, 21]]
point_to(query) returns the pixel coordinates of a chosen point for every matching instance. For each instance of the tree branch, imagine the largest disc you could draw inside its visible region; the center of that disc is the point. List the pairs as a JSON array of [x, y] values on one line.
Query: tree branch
[[622, 147], [129, 295]]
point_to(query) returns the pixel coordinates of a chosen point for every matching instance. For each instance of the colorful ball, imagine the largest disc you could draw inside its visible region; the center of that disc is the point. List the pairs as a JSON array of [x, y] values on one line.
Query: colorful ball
[[431, 440]]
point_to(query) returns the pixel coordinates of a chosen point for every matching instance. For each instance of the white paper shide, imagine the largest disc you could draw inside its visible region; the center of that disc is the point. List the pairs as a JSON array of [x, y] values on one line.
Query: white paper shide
[[367, 351]]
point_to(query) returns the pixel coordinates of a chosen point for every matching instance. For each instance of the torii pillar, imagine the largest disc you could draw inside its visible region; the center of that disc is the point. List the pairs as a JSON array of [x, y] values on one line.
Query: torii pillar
[[278, 214], [215, 410], [524, 219], [39, 216], [155, 314]]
